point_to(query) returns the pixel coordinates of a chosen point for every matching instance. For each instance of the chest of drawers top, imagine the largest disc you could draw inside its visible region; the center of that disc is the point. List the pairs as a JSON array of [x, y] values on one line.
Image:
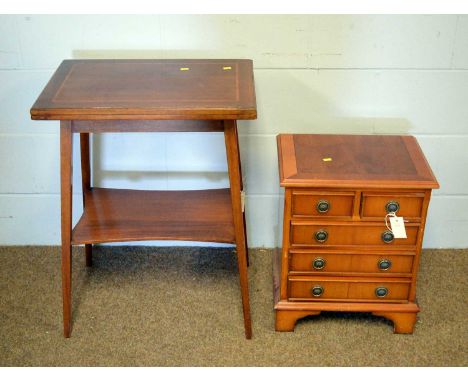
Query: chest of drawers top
[[353, 161]]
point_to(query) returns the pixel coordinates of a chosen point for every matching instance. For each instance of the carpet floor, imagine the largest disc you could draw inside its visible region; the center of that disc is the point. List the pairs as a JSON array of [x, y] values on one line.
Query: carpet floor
[[181, 306]]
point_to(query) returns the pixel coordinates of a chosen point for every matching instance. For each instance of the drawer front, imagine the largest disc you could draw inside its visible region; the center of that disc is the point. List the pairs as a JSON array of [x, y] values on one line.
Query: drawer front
[[377, 205], [311, 234], [328, 263], [321, 204], [379, 291], [304, 290], [326, 289]]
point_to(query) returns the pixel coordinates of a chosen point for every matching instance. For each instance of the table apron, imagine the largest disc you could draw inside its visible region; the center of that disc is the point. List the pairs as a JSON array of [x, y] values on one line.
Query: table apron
[[109, 126]]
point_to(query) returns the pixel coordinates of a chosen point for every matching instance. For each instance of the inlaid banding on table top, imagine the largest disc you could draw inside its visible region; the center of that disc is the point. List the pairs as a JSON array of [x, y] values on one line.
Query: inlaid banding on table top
[[149, 89], [153, 85]]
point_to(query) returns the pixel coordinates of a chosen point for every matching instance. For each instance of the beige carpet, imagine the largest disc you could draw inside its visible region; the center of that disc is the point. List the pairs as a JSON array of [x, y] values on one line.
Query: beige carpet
[[181, 307]]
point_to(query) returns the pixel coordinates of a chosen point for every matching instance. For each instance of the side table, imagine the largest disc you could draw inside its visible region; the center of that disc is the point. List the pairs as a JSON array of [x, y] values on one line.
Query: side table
[[100, 96]]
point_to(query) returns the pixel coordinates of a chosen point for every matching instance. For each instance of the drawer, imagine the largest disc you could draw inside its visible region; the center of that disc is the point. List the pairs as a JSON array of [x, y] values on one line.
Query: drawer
[[319, 204], [376, 205], [301, 261], [378, 290], [347, 234]]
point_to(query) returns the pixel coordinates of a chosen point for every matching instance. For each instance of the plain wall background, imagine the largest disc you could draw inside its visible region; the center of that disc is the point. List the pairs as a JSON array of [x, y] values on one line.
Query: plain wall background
[[370, 74]]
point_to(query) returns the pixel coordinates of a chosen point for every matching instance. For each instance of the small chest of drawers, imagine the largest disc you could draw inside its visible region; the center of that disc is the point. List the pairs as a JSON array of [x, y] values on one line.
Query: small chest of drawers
[[338, 253]]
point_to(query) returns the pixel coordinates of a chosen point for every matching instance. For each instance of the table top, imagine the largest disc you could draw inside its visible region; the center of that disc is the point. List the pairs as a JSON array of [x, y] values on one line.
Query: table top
[[148, 89], [367, 161]]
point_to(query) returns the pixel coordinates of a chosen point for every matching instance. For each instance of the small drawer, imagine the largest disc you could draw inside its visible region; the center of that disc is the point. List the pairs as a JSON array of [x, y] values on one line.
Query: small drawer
[[316, 289], [322, 204], [376, 205], [379, 291], [303, 262], [346, 234]]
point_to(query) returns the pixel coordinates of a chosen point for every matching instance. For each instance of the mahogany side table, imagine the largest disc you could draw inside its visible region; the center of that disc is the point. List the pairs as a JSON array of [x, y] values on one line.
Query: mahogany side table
[[338, 252], [100, 96]]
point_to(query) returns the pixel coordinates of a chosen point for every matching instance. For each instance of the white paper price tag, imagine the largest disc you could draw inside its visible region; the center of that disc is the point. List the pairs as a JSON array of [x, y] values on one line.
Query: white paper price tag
[[398, 227]]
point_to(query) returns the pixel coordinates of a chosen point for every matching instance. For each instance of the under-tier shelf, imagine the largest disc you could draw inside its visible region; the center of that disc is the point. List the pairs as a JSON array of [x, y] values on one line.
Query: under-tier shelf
[[113, 215]]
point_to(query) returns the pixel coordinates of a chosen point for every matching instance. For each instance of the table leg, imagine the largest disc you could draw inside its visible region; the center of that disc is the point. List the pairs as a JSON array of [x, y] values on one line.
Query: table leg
[[232, 152], [86, 184], [66, 166], [243, 212]]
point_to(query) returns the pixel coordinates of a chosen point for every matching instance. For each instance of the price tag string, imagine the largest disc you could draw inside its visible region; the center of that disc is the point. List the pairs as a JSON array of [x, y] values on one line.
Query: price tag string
[[390, 214]]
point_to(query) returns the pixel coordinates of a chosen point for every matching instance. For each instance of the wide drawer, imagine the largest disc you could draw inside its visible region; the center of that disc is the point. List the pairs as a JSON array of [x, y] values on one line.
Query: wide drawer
[[305, 262], [328, 234], [379, 290], [375, 205], [320, 204]]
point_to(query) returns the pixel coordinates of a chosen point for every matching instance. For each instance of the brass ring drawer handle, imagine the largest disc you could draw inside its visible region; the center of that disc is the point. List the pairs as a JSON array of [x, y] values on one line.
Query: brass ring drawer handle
[[381, 292], [384, 264], [317, 290], [319, 263], [321, 236], [387, 236], [392, 206], [323, 206]]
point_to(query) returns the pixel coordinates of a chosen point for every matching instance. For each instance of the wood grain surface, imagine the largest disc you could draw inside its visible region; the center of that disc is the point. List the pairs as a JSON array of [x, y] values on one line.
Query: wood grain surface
[[112, 215], [149, 89], [321, 160]]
